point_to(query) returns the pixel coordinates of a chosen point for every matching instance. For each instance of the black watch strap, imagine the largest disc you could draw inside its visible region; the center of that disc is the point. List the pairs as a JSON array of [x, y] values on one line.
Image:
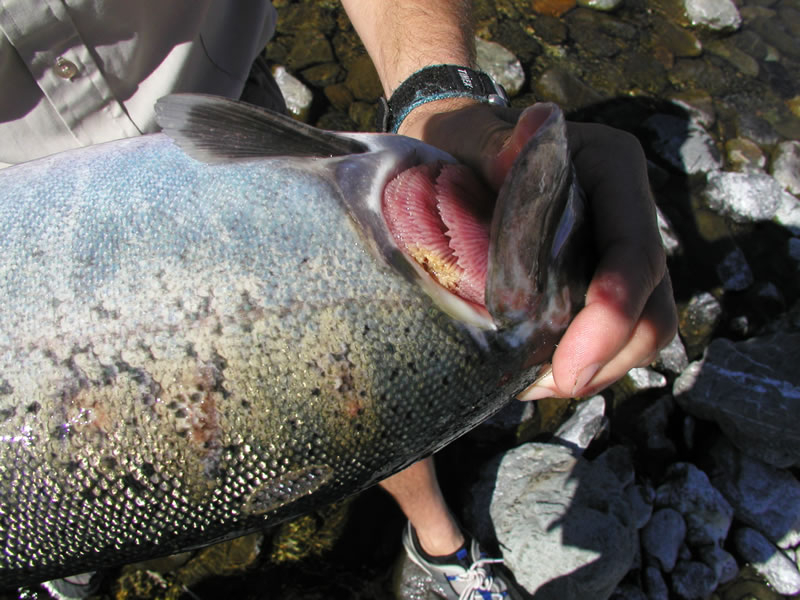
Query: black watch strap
[[437, 83]]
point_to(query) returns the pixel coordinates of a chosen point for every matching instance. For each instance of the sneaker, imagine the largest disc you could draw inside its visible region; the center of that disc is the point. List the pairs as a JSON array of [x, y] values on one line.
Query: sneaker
[[468, 574], [75, 587]]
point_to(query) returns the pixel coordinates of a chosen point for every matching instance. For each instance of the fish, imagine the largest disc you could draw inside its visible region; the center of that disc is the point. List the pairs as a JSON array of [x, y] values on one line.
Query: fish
[[210, 330]]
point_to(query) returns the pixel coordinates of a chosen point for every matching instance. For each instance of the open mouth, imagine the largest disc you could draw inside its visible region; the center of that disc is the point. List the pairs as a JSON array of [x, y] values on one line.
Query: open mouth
[[440, 214]]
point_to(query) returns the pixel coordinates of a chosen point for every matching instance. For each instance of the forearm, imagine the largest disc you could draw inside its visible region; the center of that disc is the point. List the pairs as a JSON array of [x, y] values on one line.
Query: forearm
[[403, 36]]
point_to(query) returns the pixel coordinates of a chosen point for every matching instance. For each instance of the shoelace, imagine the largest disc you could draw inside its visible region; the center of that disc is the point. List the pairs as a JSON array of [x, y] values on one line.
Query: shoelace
[[477, 578]]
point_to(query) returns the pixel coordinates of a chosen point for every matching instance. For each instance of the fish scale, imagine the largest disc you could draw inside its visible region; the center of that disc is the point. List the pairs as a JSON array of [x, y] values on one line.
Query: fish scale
[[189, 352]]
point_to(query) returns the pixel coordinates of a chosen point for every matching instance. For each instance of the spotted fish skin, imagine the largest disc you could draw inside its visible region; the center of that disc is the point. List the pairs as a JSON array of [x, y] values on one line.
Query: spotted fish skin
[[189, 352]]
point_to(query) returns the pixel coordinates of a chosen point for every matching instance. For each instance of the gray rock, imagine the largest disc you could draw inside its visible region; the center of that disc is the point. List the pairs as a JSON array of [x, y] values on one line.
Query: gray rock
[[693, 580], [751, 390], [794, 249], [743, 197], [786, 166], [762, 496], [684, 144], [501, 65], [668, 236], [641, 498], [714, 14], [721, 562], [564, 88], [788, 213], [775, 566], [618, 460], [652, 424], [298, 97], [734, 272], [698, 321], [699, 105], [580, 429], [655, 585], [645, 378], [706, 512], [662, 538], [564, 524], [628, 591], [672, 357]]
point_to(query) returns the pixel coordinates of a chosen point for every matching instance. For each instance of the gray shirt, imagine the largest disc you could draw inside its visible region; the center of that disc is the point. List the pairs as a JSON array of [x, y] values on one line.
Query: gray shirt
[[80, 72]]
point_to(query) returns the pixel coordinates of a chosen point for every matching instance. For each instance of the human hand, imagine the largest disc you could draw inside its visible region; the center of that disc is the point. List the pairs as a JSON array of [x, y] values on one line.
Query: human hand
[[629, 314]]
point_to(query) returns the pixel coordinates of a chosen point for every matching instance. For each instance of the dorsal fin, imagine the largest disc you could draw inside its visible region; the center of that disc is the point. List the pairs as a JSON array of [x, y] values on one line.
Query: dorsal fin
[[214, 129]]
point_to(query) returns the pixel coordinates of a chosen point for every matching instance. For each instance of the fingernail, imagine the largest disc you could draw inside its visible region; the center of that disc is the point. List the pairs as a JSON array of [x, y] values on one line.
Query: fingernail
[[584, 377], [543, 387]]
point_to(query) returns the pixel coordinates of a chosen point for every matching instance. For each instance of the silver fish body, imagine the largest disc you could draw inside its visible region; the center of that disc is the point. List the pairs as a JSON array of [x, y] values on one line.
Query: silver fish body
[[189, 352]]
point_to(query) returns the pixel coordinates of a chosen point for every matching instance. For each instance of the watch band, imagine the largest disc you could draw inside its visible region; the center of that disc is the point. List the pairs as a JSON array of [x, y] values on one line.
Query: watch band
[[437, 83]]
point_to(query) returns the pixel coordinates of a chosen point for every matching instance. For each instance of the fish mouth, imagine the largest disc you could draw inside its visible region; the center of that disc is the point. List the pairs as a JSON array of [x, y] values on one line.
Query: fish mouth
[[439, 215], [511, 261]]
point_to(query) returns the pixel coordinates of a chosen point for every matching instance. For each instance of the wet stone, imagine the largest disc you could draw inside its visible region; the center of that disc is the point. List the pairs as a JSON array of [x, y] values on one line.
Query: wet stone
[[680, 42], [777, 568], [323, 75], [512, 35], [697, 321], [788, 213], [501, 65], [699, 106], [662, 538], [296, 94], [362, 80], [550, 29], [714, 14], [309, 48], [339, 96], [553, 8], [746, 64], [774, 31], [750, 43], [745, 156], [693, 580], [582, 427], [565, 89], [689, 72], [743, 197], [628, 591], [786, 166]]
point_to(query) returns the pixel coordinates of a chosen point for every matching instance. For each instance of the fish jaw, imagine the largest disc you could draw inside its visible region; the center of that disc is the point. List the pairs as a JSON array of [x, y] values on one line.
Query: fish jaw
[[538, 252]]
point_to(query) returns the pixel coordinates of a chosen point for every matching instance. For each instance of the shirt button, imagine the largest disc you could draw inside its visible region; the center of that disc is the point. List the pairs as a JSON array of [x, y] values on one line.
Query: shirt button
[[66, 69]]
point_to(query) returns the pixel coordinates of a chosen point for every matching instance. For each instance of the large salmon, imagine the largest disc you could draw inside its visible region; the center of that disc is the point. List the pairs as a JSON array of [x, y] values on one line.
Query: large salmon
[[193, 349]]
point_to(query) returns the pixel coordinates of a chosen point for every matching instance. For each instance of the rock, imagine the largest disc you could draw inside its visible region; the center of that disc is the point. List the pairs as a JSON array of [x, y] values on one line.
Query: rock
[[693, 580], [501, 65], [706, 512], [362, 79], [714, 14], [645, 378], [699, 105], [297, 96], [553, 8], [550, 29], [662, 538], [582, 427], [745, 156], [628, 591], [651, 426], [794, 250], [683, 144], [743, 197], [697, 321], [762, 496], [734, 273], [668, 236], [786, 166], [750, 389], [742, 61], [676, 40], [323, 75], [564, 524], [641, 498], [618, 460], [563, 88], [603, 5], [310, 48], [672, 357], [511, 34], [655, 585], [776, 567], [788, 213], [722, 563]]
